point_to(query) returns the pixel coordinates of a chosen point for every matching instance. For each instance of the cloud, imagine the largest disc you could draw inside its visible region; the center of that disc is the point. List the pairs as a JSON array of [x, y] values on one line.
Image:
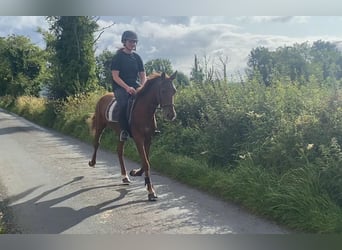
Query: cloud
[[23, 25], [274, 19], [19, 23], [177, 41], [180, 38]]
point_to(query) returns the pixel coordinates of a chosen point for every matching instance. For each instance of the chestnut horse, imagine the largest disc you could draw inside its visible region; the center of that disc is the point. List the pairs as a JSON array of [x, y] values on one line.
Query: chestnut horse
[[157, 91]]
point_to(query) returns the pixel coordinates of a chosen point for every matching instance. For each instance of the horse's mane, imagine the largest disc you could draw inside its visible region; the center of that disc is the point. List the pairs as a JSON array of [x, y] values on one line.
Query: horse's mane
[[151, 79]]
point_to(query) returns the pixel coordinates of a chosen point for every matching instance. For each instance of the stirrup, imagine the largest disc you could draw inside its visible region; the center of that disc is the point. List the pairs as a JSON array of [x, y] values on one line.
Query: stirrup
[[123, 135]]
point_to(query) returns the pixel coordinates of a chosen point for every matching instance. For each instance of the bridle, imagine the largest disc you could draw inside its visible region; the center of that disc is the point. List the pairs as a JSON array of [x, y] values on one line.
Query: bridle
[[161, 106], [167, 105]]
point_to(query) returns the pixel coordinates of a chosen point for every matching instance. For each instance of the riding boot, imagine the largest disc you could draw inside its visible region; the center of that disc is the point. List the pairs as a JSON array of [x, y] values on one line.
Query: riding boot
[[124, 134]]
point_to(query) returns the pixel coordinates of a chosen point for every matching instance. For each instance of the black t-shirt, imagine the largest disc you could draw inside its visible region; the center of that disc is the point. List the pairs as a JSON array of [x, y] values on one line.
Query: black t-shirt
[[129, 66]]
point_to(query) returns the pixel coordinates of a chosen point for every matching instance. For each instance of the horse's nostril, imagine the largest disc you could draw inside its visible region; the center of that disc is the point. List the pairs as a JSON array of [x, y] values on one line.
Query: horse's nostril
[[171, 116]]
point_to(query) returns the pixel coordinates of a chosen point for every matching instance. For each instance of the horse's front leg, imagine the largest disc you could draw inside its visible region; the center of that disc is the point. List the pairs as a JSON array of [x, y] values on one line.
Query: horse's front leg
[[146, 168], [120, 151], [147, 145], [151, 196]]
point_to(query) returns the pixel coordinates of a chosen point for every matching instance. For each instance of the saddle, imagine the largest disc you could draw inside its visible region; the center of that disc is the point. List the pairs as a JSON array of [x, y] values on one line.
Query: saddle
[[112, 111]]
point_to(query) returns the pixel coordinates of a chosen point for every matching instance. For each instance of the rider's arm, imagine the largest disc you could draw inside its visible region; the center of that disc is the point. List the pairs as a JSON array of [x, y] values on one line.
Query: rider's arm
[[118, 80], [142, 76]]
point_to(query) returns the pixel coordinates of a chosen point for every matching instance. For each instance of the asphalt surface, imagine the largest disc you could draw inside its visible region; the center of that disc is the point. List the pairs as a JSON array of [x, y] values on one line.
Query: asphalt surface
[[51, 190]]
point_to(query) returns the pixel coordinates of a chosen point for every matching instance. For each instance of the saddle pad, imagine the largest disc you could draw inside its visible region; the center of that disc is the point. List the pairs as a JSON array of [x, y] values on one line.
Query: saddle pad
[[111, 114]]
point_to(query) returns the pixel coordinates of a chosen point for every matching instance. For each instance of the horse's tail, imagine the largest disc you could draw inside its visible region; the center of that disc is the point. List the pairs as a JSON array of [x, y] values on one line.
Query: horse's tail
[[96, 120], [92, 123], [91, 120]]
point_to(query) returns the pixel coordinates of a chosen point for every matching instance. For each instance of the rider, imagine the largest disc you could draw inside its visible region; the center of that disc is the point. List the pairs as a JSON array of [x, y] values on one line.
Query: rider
[[128, 74]]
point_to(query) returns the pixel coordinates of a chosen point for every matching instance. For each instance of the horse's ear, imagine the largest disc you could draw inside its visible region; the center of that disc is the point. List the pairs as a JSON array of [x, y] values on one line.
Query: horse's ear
[[173, 76], [163, 75]]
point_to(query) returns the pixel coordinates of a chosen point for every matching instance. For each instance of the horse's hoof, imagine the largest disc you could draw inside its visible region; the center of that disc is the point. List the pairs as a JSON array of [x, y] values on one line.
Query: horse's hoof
[[91, 164], [126, 181], [152, 197], [135, 172]]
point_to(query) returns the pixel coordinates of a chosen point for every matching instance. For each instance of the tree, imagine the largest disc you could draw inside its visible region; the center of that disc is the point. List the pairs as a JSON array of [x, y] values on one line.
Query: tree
[[103, 72], [22, 66], [72, 47], [297, 63], [182, 79], [261, 61], [293, 61], [327, 57], [158, 65], [197, 74], [224, 62]]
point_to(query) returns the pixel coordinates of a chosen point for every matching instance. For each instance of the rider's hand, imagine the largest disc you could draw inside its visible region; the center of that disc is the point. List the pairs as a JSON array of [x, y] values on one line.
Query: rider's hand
[[130, 90]]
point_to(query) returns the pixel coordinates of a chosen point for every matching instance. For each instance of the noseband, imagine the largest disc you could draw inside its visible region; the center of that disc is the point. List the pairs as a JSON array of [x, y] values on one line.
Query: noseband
[[167, 105]]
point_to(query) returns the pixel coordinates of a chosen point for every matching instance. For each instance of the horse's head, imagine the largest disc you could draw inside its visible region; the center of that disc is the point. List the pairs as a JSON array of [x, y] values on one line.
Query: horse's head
[[167, 91]]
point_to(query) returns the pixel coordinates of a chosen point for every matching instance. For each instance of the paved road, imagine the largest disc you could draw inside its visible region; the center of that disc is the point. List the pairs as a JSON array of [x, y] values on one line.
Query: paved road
[[53, 191]]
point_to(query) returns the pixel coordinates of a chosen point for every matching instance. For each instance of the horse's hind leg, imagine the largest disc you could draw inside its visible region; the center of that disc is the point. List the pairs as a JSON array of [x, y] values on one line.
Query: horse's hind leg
[[97, 138], [120, 151]]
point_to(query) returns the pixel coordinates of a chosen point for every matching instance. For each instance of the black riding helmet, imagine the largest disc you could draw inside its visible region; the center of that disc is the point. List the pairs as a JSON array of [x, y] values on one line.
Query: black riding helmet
[[129, 35]]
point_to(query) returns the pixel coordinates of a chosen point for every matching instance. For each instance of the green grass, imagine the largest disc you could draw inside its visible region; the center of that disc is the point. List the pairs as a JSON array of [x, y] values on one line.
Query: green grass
[[294, 200]]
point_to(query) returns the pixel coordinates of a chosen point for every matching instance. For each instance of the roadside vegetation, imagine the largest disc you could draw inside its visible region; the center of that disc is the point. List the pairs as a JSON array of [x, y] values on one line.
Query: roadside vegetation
[[6, 226], [273, 150], [270, 141], [2, 224]]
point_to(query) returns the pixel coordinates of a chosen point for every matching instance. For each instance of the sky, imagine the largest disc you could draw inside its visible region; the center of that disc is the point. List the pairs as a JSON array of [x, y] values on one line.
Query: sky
[[180, 38]]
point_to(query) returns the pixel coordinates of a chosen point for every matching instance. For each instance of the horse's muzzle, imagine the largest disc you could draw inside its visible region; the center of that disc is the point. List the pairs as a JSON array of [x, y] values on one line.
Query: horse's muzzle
[[169, 112], [171, 116]]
